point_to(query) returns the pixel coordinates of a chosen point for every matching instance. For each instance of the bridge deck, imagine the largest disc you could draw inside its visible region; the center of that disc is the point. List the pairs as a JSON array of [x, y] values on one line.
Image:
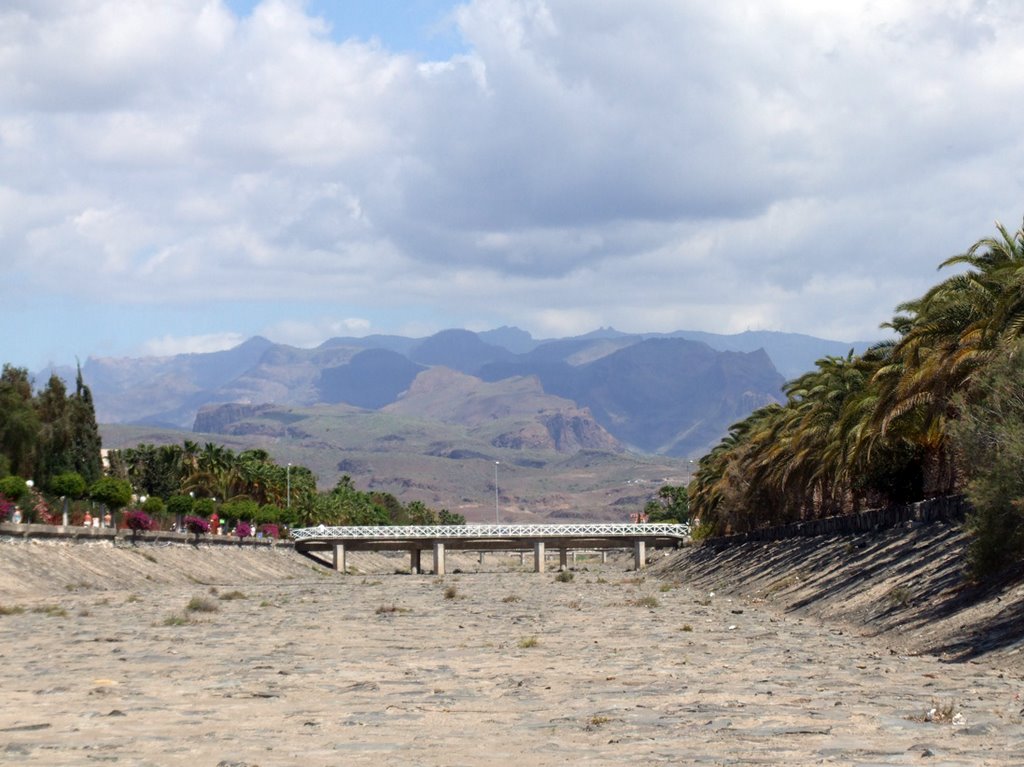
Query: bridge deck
[[414, 538]]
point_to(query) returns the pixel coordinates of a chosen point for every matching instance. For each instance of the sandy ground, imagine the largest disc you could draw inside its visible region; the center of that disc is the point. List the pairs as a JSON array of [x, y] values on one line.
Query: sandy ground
[[278, 662]]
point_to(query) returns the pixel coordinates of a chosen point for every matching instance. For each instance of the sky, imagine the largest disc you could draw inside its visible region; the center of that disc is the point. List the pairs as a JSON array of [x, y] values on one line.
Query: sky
[[180, 176]]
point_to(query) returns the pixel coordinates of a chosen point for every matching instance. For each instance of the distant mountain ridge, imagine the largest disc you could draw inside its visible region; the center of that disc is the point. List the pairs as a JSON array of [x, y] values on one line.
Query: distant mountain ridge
[[673, 394]]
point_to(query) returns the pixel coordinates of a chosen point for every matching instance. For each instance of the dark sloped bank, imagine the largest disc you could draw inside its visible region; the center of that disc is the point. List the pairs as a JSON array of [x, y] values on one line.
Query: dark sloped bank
[[905, 584]]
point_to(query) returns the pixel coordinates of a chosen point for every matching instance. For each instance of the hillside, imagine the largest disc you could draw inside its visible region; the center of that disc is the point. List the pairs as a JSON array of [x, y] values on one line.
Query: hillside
[[552, 468]]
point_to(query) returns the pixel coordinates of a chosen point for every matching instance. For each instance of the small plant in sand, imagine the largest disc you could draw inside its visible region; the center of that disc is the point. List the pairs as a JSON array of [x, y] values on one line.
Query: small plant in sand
[[11, 610], [781, 584], [201, 605], [565, 576], [648, 601], [392, 610], [452, 592], [176, 620], [686, 627], [940, 712], [54, 611], [596, 721], [233, 595], [512, 598], [527, 642], [899, 597]]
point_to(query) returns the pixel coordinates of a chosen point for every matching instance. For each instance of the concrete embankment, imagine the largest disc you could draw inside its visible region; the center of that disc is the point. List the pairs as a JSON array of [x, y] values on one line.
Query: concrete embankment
[[905, 585]]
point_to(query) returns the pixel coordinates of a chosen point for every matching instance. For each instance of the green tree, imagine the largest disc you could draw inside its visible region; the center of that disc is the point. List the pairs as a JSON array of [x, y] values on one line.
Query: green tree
[[112, 492], [671, 505], [69, 484], [179, 507], [445, 517], [85, 433], [239, 509], [13, 488], [989, 436], [420, 514], [19, 422], [54, 453]]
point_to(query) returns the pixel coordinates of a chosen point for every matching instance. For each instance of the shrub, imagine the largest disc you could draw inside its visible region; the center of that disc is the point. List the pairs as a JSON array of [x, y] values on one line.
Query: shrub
[[989, 436], [70, 484], [201, 605], [565, 576], [13, 488], [645, 602], [6, 509], [138, 521], [243, 530], [197, 526]]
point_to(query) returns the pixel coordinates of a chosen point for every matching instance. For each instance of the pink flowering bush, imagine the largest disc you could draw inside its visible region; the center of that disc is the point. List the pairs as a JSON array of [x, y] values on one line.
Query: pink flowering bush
[[270, 531], [197, 526], [243, 530], [137, 520], [6, 509], [40, 509]]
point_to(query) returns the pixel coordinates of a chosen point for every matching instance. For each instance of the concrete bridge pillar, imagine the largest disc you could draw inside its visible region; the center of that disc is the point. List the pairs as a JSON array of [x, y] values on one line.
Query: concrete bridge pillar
[[604, 556], [339, 557], [563, 559], [438, 558], [639, 555], [414, 561], [538, 557]]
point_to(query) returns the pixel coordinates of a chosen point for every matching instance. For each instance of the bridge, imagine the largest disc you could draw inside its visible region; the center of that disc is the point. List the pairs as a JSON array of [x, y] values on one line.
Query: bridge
[[312, 541]]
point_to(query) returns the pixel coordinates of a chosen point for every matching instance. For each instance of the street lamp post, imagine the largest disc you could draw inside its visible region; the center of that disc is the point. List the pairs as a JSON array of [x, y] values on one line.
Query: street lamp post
[[496, 492]]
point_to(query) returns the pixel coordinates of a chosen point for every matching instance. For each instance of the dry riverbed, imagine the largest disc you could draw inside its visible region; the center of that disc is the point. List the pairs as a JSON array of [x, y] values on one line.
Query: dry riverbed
[[171, 655]]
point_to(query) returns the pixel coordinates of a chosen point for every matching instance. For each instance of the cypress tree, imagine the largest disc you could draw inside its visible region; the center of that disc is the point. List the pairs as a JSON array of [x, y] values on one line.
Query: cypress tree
[[85, 434]]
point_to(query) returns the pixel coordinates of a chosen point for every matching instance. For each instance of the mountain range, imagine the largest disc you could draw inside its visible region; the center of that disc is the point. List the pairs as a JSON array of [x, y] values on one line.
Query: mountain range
[[582, 421], [672, 394]]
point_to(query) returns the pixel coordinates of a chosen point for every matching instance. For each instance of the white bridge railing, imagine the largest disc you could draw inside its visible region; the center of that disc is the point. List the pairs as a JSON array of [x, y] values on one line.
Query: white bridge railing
[[575, 530]]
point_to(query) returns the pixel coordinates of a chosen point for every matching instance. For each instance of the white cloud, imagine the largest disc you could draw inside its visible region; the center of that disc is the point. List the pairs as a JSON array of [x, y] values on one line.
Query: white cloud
[[308, 334], [677, 165], [167, 346]]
